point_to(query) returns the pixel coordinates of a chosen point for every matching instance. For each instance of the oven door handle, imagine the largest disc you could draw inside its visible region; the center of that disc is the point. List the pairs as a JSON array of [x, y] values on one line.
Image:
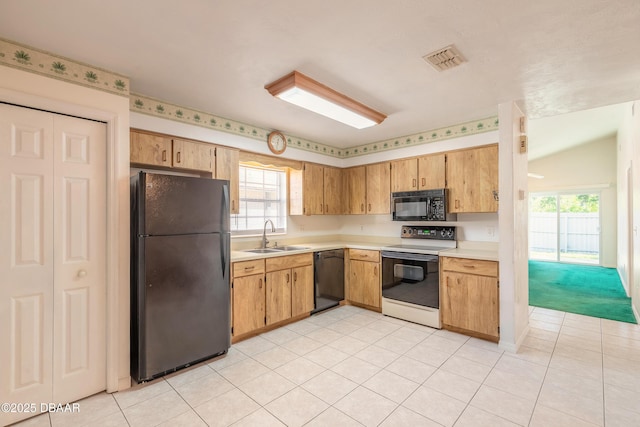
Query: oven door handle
[[409, 256]]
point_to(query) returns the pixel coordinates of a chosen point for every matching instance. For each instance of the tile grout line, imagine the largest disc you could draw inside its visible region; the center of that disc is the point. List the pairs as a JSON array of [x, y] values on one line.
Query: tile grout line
[[546, 371]]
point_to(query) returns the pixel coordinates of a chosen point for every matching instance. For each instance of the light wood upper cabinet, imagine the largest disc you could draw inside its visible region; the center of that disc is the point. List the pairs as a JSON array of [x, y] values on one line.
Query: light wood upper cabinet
[[149, 149], [470, 297], [368, 189], [316, 190], [432, 172], [227, 167], [379, 188], [404, 175], [472, 179], [192, 155], [313, 189], [421, 173], [356, 190], [333, 191]]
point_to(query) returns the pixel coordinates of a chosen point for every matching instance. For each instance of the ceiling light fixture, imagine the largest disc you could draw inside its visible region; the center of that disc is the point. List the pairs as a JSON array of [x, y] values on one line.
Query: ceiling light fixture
[[305, 92]]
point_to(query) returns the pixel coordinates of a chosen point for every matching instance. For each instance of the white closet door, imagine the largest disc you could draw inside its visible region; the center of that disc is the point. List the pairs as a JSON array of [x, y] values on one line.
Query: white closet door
[[79, 241], [52, 258], [26, 257]]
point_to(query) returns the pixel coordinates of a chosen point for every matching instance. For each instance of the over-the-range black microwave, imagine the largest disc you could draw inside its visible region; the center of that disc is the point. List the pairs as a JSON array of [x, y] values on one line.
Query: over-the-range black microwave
[[426, 205]]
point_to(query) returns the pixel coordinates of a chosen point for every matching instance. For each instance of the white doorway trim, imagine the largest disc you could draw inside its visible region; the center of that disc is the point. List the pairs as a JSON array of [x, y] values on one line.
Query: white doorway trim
[[112, 209]]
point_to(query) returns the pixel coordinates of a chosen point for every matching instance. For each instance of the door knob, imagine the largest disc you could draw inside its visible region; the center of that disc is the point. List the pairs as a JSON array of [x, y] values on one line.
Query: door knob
[[82, 273]]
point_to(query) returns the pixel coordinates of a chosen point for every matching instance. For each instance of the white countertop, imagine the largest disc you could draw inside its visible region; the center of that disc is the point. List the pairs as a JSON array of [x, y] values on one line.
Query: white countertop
[[467, 250]]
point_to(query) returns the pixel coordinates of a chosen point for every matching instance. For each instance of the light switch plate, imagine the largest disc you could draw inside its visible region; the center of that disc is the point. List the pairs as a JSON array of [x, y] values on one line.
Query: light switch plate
[[523, 144]]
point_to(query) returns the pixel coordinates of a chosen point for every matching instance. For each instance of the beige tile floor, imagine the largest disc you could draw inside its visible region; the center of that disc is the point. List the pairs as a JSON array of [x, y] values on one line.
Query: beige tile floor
[[352, 367]]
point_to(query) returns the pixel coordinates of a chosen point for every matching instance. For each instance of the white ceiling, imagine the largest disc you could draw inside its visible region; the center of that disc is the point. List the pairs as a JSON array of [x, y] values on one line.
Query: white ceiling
[[557, 133], [550, 56]]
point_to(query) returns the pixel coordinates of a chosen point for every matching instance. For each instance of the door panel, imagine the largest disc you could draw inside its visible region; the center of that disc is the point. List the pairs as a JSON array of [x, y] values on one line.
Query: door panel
[[26, 257], [79, 346]]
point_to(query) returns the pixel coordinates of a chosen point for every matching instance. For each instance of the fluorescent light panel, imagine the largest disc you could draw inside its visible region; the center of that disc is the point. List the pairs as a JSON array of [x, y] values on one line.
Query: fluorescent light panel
[[305, 92]]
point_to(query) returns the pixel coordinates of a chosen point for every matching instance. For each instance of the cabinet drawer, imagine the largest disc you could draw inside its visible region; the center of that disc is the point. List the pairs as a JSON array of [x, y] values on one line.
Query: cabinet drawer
[[470, 266], [290, 261], [245, 268], [364, 255]]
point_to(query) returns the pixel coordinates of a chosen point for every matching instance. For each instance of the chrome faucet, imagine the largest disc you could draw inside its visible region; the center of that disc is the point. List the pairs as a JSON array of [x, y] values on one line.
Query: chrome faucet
[[265, 242]]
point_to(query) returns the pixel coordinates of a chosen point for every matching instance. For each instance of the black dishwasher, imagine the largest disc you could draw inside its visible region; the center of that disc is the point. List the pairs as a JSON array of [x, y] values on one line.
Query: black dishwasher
[[328, 276]]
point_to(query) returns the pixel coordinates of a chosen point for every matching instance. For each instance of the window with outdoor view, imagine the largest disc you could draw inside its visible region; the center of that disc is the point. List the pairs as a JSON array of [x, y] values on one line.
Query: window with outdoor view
[[263, 196]]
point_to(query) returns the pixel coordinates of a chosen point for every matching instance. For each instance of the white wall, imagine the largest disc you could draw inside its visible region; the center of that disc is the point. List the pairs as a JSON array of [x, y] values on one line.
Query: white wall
[[589, 167], [31, 90], [628, 193]]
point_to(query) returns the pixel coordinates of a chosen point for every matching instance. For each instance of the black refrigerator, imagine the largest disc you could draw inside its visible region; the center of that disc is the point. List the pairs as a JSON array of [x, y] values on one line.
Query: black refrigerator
[[180, 248]]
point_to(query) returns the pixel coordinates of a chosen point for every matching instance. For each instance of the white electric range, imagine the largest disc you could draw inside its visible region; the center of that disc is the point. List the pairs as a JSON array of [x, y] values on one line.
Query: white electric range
[[410, 274]]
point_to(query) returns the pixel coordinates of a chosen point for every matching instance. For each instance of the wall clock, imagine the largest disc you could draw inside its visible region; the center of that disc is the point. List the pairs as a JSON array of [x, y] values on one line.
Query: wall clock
[[277, 142]]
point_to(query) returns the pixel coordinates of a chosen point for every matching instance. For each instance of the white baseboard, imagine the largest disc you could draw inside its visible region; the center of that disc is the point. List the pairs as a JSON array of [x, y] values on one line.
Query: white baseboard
[[513, 347]]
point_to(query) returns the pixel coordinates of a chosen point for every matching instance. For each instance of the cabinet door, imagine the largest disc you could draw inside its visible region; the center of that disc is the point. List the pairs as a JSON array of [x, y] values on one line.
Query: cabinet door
[[147, 149], [470, 302], [333, 191], [312, 192], [302, 290], [431, 172], [278, 296], [379, 188], [356, 189], [404, 175], [364, 282], [472, 179], [248, 303], [228, 167], [192, 155]]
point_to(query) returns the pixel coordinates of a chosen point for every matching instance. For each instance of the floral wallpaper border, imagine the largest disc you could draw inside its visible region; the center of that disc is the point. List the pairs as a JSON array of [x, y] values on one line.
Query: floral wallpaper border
[[154, 107], [40, 62]]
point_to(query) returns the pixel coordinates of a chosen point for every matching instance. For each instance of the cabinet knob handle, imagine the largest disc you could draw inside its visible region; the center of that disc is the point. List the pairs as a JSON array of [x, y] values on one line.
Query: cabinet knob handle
[[369, 207], [375, 270], [164, 155], [251, 267], [424, 182], [260, 284], [178, 157], [287, 277], [82, 273], [413, 182], [361, 207], [295, 276]]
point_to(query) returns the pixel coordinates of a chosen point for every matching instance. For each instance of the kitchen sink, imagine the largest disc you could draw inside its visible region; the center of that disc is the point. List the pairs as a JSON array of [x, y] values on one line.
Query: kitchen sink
[[289, 248], [262, 250]]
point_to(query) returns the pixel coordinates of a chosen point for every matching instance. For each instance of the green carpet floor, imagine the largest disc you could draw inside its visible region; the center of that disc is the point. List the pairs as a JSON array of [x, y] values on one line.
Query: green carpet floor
[[582, 289]]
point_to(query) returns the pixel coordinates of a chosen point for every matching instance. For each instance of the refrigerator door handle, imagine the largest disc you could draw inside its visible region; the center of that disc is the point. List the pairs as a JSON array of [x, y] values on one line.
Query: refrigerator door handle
[[224, 252]]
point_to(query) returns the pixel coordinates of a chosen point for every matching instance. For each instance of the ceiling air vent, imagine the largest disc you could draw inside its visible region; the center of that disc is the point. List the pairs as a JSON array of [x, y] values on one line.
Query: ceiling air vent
[[445, 58]]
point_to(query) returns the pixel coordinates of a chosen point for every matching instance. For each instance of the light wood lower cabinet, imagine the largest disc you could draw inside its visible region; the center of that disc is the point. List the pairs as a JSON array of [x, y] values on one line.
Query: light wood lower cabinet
[[302, 299], [278, 296], [269, 291], [248, 297], [470, 297], [364, 277]]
